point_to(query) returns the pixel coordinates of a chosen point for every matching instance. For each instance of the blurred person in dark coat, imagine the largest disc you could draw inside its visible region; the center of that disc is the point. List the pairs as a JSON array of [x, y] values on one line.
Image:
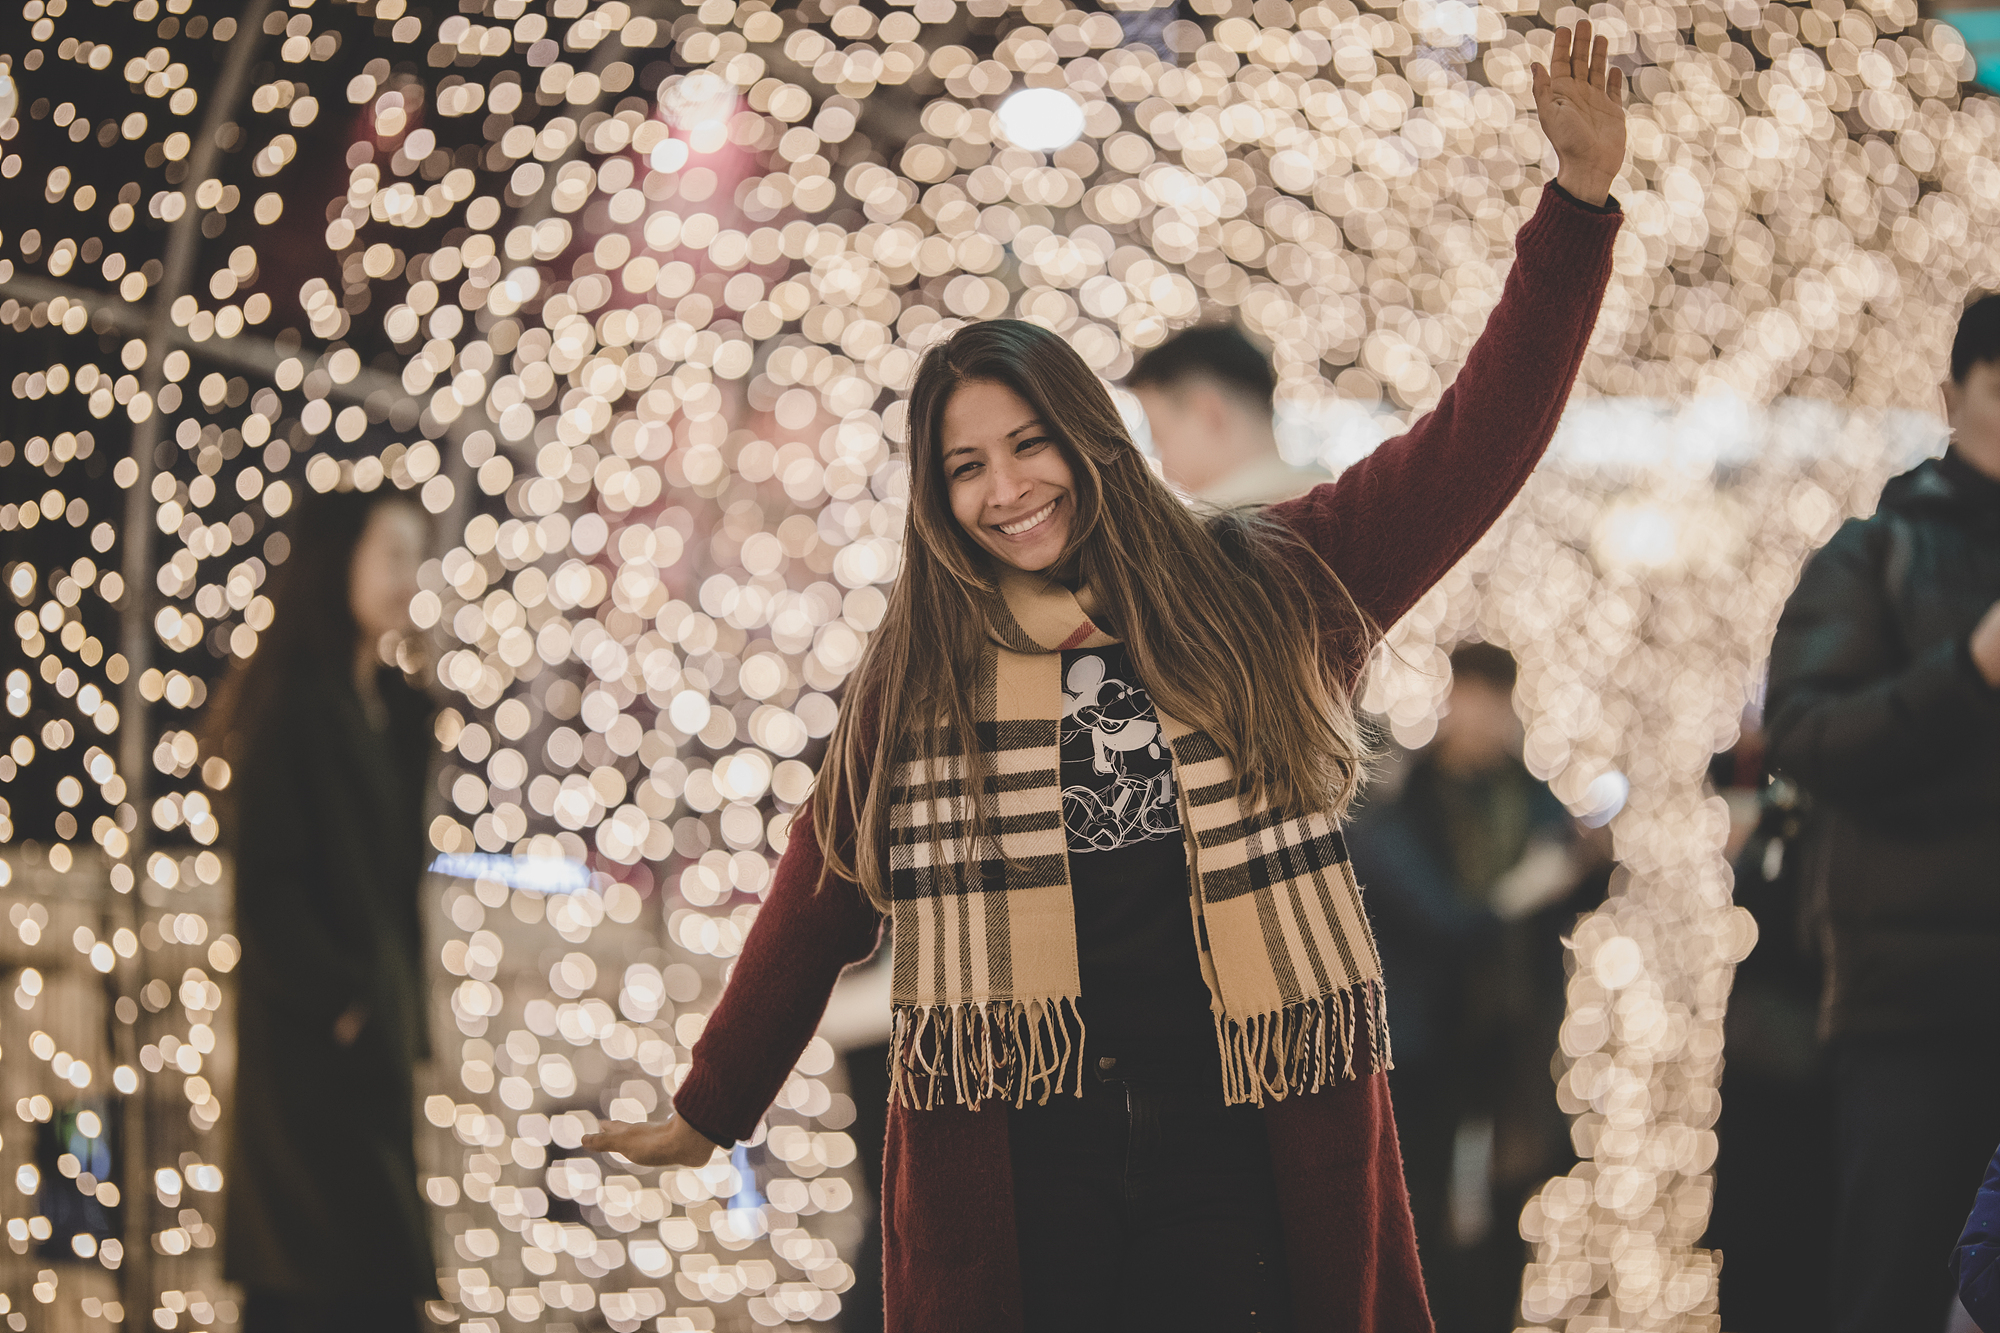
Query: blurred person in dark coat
[[1884, 705], [1776, 1124], [1472, 869], [330, 747], [1977, 1259]]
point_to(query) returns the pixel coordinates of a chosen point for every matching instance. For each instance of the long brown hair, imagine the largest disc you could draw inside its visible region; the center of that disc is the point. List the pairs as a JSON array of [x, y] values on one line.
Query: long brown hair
[[312, 622], [1217, 612]]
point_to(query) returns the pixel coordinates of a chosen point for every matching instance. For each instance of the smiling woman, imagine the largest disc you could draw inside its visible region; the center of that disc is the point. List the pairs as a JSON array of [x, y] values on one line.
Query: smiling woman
[[1092, 768]]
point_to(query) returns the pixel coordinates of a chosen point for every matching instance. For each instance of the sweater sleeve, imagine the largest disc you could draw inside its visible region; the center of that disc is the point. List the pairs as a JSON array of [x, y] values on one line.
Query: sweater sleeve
[[1392, 524], [804, 936]]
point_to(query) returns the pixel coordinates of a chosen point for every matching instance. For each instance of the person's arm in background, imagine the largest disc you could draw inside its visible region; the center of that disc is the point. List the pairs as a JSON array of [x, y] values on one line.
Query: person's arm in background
[[1849, 716], [1560, 856], [804, 936], [1392, 524], [1977, 1258]]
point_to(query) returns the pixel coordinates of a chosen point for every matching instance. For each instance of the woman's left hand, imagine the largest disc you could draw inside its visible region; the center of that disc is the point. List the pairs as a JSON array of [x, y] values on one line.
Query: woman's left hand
[[673, 1143], [1582, 107]]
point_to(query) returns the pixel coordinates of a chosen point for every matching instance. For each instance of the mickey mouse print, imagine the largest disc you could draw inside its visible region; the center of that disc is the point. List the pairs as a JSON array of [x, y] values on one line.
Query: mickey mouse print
[[1117, 772]]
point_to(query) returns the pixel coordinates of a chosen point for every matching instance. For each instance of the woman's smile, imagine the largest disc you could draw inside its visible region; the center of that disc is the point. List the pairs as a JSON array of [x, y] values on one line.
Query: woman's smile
[[1022, 527]]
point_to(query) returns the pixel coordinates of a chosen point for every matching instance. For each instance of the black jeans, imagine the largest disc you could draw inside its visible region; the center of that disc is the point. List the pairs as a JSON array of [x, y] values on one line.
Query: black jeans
[[1147, 1204], [1917, 1121]]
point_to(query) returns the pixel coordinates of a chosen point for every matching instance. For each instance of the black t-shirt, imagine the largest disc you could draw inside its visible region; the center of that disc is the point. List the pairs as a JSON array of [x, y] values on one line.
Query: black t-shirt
[[1144, 1002]]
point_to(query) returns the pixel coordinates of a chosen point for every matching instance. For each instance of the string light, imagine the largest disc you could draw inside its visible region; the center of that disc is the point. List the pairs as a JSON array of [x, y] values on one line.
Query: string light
[[628, 299]]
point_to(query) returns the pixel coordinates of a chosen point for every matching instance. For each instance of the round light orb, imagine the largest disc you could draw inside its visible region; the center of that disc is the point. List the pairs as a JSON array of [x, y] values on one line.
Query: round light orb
[[1041, 119], [1605, 797], [522, 283], [700, 98], [10, 97]]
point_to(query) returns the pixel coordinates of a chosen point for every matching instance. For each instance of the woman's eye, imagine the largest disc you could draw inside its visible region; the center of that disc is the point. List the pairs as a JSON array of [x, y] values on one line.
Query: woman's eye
[[1027, 445]]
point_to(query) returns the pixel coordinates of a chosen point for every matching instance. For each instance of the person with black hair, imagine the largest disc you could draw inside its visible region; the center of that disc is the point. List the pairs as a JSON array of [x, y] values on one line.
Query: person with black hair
[[1473, 870], [330, 747], [1884, 706], [1208, 395]]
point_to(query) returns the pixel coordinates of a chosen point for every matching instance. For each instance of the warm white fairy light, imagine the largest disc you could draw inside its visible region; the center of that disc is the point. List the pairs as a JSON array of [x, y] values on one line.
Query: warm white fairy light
[[1042, 120]]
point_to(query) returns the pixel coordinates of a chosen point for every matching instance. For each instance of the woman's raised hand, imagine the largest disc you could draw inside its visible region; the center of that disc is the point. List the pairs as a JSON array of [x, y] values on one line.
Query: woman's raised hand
[[674, 1143], [1582, 106]]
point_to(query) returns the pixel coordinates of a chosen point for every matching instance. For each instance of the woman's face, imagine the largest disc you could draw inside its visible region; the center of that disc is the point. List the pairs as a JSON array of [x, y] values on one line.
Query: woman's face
[[1010, 484], [383, 575]]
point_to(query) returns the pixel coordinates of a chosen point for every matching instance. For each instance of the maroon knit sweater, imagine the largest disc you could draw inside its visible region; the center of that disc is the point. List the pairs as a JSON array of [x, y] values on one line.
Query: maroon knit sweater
[[1390, 526]]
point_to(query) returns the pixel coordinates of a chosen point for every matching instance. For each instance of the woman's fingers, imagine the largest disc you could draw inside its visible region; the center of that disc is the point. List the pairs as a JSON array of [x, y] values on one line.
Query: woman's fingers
[[1580, 55], [620, 1139], [671, 1142]]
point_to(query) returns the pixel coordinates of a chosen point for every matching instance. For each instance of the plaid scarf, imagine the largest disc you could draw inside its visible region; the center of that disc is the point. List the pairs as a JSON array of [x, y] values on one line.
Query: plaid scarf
[[984, 970]]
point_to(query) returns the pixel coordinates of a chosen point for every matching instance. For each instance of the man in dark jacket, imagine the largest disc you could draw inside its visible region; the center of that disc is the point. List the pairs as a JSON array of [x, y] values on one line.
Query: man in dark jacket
[[1884, 705]]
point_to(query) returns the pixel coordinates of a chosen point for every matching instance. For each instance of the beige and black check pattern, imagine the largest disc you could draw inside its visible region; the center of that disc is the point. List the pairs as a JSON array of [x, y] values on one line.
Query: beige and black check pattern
[[984, 974]]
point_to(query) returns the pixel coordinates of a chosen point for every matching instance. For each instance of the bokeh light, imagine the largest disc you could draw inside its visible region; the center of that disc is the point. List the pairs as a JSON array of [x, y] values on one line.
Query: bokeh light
[[1041, 120]]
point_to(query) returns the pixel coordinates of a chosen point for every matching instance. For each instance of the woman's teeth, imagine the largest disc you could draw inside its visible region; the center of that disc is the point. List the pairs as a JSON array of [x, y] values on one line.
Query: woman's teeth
[[1016, 529]]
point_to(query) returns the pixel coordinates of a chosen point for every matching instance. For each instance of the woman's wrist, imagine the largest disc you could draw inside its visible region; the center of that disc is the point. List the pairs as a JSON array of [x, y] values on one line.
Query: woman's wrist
[[1592, 188], [724, 1144]]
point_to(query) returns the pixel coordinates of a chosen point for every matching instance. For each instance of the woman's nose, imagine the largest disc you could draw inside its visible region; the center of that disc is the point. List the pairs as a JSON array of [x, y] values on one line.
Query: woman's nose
[[1009, 482]]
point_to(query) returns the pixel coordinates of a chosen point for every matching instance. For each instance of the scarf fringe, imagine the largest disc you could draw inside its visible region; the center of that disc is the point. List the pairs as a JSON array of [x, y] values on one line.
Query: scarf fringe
[[1012, 1051], [1018, 1051], [1303, 1047]]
